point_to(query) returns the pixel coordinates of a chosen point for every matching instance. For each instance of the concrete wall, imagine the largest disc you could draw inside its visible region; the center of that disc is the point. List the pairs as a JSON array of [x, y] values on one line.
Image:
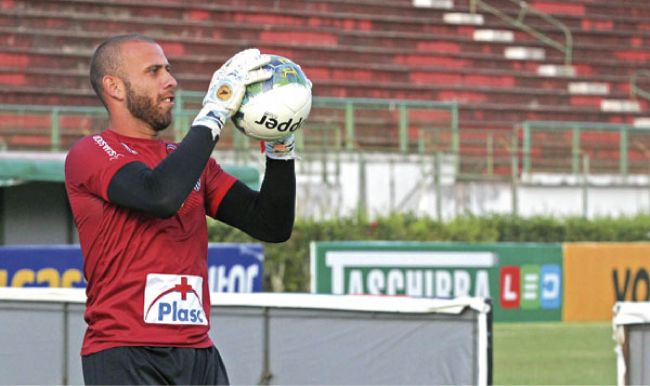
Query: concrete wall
[[35, 213], [383, 183]]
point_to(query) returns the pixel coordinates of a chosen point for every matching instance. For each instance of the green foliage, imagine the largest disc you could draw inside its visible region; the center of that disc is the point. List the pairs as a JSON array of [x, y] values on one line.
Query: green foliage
[[287, 264]]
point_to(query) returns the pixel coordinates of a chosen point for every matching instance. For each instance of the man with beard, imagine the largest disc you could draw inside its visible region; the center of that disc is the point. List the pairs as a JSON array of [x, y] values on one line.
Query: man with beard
[[139, 204]]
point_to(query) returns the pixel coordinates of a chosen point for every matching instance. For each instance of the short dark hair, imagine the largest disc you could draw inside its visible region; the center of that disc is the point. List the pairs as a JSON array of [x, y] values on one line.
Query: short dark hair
[[106, 59]]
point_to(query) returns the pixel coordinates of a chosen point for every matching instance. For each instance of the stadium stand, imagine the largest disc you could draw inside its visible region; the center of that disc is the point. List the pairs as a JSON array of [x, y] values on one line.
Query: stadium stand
[[435, 50]]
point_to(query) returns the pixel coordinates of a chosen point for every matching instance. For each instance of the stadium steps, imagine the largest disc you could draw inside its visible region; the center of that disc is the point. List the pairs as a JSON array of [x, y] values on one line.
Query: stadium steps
[[502, 115], [582, 8], [35, 47], [364, 49], [24, 66], [30, 131], [452, 44], [231, 30], [297, 14], [77, 42], [472, 89]]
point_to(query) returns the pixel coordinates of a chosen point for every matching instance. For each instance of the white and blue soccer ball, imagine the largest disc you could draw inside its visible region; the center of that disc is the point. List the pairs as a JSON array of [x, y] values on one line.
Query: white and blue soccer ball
[[276, 107]]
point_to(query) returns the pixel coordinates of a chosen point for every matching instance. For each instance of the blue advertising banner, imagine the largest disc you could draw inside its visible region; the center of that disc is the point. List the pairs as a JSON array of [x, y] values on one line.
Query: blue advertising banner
[[39, 266], [231, 267], [235, 267]]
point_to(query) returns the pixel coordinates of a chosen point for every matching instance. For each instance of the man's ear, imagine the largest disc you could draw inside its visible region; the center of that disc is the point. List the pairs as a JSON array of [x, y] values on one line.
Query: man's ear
[[114, 87]]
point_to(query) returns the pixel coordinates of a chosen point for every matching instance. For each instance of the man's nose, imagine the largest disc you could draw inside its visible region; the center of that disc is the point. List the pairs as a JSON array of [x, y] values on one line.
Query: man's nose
[[170, 81]]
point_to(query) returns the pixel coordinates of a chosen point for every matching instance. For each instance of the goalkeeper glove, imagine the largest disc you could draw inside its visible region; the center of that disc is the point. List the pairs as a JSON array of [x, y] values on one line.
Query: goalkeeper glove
[[228, 87], [281, 149]]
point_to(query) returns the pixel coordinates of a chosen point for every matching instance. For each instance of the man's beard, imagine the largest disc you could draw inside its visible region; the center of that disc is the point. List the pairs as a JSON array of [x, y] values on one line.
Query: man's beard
[[142, 107]]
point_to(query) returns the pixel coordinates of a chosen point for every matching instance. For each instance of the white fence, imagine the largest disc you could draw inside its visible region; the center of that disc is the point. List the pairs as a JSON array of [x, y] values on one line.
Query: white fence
[[269, 338]]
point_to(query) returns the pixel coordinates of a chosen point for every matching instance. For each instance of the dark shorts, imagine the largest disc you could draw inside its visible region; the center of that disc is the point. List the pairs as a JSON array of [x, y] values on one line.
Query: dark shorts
[[155, 366]]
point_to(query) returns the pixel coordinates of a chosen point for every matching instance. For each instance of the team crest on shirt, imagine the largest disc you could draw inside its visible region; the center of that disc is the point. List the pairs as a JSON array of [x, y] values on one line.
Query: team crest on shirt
[[170, 147], [174, 299]]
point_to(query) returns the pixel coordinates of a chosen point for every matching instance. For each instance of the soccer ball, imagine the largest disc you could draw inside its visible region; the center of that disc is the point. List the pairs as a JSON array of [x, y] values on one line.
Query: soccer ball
[[277, 107]]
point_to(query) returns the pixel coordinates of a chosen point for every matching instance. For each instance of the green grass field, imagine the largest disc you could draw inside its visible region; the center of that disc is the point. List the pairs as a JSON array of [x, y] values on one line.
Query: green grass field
[[568, 353]]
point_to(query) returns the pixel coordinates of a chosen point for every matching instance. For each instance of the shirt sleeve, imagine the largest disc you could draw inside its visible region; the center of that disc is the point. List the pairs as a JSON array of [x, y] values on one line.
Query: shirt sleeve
[[217, 184], [92, 163]]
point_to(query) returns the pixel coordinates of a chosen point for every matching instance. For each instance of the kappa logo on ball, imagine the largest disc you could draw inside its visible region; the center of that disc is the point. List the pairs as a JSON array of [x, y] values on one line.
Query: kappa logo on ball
[[271, 122], [174, 299]]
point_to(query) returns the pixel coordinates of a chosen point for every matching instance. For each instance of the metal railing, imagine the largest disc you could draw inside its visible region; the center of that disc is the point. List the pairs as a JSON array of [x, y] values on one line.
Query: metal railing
[[335, 124], [353, 124], [483, 154], [560, 147], [399, 127], [565, 48], [48, 120]]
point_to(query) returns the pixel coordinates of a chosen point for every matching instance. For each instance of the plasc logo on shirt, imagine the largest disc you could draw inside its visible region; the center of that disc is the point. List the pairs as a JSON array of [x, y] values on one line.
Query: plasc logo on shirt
[[107, 149], [174, 299]]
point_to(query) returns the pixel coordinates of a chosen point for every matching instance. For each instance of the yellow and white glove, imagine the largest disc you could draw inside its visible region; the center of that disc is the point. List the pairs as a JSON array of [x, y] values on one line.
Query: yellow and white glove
[[228, 87], [281, 149]]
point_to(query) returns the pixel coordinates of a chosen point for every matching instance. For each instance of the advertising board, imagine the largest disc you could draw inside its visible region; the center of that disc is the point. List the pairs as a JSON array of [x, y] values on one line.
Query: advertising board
[[231, 267], [525, 281], [600, 274]]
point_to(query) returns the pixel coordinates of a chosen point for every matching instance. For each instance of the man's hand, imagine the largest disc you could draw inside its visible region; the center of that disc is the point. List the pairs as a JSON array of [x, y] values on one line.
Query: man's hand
[[282, 149], [228, 87]]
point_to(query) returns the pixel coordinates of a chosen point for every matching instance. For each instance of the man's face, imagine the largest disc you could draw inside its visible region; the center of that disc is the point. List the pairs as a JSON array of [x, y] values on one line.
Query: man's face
[[148, 83], [146, 108]]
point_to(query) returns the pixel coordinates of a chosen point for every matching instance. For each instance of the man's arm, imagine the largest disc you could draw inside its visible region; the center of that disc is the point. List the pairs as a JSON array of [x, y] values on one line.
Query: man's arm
[[267, 215], [162, 190]]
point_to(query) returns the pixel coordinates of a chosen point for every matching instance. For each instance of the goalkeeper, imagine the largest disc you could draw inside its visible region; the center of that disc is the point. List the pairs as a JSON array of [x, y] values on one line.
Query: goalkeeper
[[139, 204]]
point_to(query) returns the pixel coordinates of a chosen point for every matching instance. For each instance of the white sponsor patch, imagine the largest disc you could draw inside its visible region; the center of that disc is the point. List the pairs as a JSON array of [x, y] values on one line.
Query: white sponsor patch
[[174, 299]]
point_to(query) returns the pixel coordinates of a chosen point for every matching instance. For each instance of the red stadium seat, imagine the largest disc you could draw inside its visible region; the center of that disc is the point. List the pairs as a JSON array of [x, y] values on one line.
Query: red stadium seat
[[350, 48]]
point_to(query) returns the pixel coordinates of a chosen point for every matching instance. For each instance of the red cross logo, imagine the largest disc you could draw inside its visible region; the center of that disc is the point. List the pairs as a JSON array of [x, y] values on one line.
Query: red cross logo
[[183, 288]]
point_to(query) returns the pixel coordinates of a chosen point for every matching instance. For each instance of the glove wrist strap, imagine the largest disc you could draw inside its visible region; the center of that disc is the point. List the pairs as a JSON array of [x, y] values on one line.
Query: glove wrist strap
[[211, 117]]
